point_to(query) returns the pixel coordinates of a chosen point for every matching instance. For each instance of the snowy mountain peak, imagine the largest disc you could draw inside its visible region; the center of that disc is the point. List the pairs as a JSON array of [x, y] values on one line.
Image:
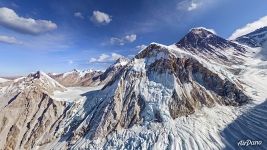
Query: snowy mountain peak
[[38, 75], [39, 81], [201, 39], [256, 38], [42, 79], [75, 70], [201, 31], [80, 73], [76, 77], [122, 61], [151, 47]]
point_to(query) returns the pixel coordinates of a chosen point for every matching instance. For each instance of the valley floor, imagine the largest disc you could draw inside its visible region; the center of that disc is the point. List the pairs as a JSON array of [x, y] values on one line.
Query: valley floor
[[73, 93]]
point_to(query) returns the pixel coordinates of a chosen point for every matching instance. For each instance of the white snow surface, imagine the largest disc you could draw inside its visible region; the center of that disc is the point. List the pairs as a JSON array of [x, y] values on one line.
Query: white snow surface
[[3, 80], [81, 73], [202, 130], [73, 93]]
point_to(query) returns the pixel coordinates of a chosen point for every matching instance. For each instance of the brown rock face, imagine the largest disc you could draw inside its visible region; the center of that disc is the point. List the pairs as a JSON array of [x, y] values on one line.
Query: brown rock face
[[180, 107], [29, 117], [12, 138], [77, 78]]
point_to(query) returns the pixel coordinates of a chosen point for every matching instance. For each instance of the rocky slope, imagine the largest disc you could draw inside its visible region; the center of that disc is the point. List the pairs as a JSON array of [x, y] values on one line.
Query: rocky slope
[[28, 113], [76, 77]]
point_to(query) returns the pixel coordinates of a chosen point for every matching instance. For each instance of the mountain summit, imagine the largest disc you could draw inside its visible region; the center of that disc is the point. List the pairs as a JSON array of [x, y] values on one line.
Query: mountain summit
[[201, 39]]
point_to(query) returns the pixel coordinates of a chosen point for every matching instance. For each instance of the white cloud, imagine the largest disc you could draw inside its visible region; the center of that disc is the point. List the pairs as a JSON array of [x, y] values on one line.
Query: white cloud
[[104, 58], [115, 56], [78, 15], [116, 41], [9, 19], [101, 18], [262, 22], [9, 40], [130, 38], [191, 5], [122, 41]]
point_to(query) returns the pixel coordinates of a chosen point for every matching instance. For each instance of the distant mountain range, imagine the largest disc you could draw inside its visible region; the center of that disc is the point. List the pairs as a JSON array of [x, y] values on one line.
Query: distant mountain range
[[181, 96]]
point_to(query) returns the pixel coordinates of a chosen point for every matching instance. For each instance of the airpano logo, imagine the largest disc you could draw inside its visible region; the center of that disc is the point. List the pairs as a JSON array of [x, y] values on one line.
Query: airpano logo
[[249, 142]]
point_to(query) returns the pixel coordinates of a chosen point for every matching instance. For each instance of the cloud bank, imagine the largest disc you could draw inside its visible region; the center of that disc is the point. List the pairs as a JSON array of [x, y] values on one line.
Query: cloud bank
[[10, 20], [9, 40]]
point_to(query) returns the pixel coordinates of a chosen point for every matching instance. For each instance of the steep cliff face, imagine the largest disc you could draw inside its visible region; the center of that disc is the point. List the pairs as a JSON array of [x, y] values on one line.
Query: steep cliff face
[[28, 113], [160, 84]]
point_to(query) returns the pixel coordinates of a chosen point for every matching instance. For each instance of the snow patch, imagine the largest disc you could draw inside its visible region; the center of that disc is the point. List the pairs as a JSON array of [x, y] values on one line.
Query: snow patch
[[3, 80]]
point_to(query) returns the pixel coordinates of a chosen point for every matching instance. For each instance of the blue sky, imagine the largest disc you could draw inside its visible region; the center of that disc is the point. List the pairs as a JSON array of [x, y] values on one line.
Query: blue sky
[[57, 36]]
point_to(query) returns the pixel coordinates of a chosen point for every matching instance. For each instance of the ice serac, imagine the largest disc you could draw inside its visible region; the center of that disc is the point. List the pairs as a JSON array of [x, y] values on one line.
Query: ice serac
[[28, 113], [160, 84]]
